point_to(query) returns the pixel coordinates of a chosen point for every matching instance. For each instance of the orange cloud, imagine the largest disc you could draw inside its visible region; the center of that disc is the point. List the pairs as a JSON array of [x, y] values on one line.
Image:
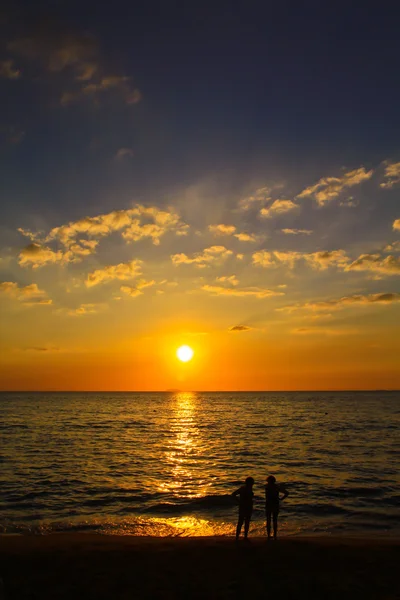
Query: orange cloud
[[263, 259], [222, 229], [256, 292], [396, 225], [128, 222], [392, 175], [390, 265], [35, 256], [320, 260], [328, 188], [86, 309], [231, 279], [137, 290], [227, 230], [278, 207], [346, 301], [212, 255], [245, 237], [260, 197], [29, 294], [296, 231], [123, 271]]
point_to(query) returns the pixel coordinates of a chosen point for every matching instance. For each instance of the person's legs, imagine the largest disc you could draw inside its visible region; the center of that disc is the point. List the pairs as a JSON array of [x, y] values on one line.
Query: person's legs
[[239, 526], [275, 522], [268, 512], [246, 525]]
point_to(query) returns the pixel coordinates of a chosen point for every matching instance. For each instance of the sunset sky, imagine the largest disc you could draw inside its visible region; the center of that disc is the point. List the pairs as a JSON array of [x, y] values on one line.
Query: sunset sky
[[224, 175]]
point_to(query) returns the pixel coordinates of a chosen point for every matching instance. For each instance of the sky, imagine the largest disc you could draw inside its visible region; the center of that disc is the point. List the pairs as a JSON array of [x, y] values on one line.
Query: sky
[[224, 175]]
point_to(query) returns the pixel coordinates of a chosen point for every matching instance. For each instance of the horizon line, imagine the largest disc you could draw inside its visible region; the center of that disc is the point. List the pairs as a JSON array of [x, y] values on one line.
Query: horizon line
[[175, 391]]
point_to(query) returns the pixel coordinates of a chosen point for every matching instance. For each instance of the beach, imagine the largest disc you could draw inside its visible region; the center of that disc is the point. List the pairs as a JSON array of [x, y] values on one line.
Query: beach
[[92, 566]]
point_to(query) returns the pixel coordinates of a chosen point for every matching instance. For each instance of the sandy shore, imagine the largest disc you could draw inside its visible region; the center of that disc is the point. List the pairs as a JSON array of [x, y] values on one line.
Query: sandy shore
[[90, 566]]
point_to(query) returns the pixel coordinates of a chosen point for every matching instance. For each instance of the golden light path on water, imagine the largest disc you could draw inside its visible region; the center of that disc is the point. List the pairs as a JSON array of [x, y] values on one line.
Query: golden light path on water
[[186, 447]]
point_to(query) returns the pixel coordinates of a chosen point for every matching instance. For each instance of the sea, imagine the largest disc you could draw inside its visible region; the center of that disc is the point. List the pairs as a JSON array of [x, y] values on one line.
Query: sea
[[166, 464]]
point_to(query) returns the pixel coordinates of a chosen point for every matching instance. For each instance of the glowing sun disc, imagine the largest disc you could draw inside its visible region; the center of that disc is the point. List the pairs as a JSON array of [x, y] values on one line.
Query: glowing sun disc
[[184, 353]]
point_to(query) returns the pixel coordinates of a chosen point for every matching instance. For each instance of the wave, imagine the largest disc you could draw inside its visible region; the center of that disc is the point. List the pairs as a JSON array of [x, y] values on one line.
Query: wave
[[205, 502]]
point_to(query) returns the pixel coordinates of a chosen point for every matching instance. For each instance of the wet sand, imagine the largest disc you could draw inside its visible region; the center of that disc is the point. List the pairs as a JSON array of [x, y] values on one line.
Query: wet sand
[[91, 566]]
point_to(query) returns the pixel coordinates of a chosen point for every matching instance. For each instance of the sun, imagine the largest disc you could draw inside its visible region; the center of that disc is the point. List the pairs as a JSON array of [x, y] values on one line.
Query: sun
[[185, 353]]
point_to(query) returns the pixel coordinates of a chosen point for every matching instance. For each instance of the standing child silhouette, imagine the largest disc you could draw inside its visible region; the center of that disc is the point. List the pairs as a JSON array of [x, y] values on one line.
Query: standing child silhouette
[[272, 500], [245, 493]]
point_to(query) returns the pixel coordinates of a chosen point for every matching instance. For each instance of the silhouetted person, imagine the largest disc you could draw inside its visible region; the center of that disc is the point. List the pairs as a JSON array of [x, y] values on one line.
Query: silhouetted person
[[272, 500], [246, 495]]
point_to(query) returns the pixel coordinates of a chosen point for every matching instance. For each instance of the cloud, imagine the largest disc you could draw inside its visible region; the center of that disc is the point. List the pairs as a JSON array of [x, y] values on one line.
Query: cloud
[[324, 259], [256, 292], [328, 188], [278, 207], [107, 84], [231, 279], [325, 331], [8, 70], [390, 265], [41, 349], [97, 227], [239, 328], [163, 221], [349, 202], [262, 258], [29, 294], [392, 175], [320, 260], [122, 271], [130, 291], [393, 247], [55, 47], [128, 222], [222, 229], [227, 230], [396, 225], [35, 256], [344, 302], [297, 231], [246, 237], [209, 256], [288, 258], [261, 196], [137, 290], [124, 153], [85, 309], [75, 55]]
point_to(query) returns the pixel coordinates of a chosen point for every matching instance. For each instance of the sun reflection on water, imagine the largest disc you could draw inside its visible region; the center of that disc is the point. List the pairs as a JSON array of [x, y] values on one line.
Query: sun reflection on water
[[184, 449]]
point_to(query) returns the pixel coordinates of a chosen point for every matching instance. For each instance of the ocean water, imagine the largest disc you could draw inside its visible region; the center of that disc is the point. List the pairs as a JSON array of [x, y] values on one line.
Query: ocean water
[[167, 463]]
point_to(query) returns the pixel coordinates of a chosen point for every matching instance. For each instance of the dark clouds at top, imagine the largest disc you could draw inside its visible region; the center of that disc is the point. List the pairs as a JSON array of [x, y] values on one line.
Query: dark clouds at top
[[251, 91]]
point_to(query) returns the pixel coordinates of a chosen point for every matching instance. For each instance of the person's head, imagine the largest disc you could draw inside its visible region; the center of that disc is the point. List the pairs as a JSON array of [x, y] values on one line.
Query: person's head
[[271, 479], [249, 482]]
